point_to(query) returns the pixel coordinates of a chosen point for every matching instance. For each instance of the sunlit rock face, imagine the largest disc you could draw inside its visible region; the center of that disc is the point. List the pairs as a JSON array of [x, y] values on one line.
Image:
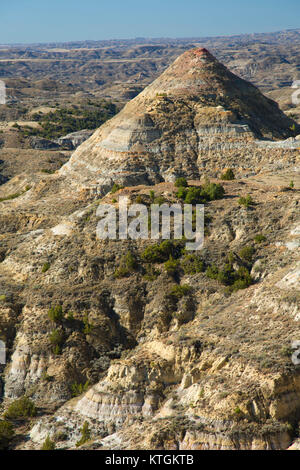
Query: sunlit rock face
[[196, 115]]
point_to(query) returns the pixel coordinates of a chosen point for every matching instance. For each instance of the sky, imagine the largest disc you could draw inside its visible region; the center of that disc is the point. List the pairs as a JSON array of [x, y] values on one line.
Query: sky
[[31, 21]]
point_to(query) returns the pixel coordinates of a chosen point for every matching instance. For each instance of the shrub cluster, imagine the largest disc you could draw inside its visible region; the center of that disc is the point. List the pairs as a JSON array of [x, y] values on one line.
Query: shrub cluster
[[161, 252], [128, 264], [200, 195], [6, 434], [228, 175], [233, 279], [21, 408]]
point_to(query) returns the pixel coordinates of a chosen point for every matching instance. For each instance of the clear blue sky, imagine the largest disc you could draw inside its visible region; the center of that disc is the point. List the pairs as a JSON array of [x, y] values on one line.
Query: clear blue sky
[[27, 21]]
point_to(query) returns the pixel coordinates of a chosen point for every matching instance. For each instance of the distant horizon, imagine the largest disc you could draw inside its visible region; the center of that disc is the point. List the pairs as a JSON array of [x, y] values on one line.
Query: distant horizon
[[150, 38], [60, 21]]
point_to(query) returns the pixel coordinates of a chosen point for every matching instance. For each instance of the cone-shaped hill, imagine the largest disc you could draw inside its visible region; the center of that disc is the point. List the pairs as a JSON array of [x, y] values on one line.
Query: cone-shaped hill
[[196, 116]]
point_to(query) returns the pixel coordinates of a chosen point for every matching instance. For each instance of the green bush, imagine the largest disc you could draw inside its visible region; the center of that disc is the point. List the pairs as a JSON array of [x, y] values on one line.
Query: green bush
[[171, 266], [260, 238], [181, 182], [79, 388], [63, 121], [88, 327], [152, 195], [56, 338], [45, 267], [228, 175], [229, 277], [213, 191], [116, 187], [201, 194], [6, 434], [192, 264], [56, 314], [246, 253], [128, 264], [151, 273], [21, 408], [85, 434], [177, 291], [212, 271], [246, 201], [48, 444], [162, 252]]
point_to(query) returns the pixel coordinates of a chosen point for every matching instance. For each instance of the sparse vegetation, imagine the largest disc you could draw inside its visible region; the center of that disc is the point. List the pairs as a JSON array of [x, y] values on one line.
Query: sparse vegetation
[[192, 264], [79, 388], [246, 253], [62, 121], [161, 252], [56, 338], [171, 266], [260, 238], [246, 201], [181, 183], [56, 314], [85, 434], [116, 187], [228, 175], [128, 264], [179, 291], [6, 434], [21, 408], [46, 267], [48, 444], [202, 194]]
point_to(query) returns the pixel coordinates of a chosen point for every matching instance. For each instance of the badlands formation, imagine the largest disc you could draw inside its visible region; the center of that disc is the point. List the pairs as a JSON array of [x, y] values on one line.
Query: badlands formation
[[148, 356]]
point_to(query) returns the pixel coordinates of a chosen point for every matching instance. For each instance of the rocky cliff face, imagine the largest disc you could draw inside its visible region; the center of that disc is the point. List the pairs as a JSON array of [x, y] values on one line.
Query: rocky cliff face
[[196, 116], [159, 359]]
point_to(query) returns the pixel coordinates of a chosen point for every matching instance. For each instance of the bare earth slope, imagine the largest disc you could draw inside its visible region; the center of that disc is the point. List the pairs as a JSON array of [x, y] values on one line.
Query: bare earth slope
[[194, 110]]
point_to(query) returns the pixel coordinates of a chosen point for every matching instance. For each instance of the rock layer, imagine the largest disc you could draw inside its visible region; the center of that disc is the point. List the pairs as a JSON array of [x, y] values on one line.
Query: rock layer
[[197, 111]]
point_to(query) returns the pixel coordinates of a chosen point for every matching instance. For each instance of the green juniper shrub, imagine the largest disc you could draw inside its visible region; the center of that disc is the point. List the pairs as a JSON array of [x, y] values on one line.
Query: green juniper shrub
[[116, 188], [181, 183], [161, 252], [192, 264], [21, 408], [213, 191], [6, 434], [46, 267], [88, 327], [85, 434], [79, 388], [179, 291], [139, 199], [228, 175], [246, 253], [159, 200], [48, 444], [228, 276], [260, 238], [171, 266], [152, 195], [212, 271], [151, 273], [200, 195], [128, 264], [246, 201], [292, 185], [56, 314], [56, 338]]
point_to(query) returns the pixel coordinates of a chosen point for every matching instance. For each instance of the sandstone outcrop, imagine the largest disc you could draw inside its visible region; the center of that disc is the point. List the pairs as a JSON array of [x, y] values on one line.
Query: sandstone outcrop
[[197, 116]]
